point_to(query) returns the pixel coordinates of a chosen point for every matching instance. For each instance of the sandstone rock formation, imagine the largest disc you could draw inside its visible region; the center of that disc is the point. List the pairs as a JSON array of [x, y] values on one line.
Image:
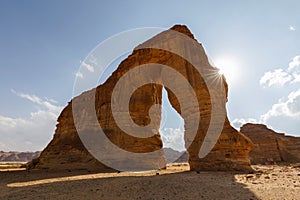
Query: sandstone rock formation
[[270, 146], [66, 150]]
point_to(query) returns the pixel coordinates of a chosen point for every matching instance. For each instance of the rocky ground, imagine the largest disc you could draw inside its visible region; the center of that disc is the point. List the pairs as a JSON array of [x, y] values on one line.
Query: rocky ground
[[176, 182]]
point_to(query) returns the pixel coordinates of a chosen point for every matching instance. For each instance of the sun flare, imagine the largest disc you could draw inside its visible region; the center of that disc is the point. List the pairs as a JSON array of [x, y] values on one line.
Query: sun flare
[[227, 66]]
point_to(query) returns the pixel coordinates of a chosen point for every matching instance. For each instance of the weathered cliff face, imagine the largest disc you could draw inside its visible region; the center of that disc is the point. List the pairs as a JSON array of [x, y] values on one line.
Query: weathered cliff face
[[271, 146], [66, 150]]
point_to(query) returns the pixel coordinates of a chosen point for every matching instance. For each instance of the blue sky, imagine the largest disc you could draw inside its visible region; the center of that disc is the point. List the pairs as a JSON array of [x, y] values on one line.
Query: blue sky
[[43, 42]]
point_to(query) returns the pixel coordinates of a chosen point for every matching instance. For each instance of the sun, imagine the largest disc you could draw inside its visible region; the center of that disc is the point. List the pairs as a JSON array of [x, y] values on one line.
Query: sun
[[227, 66]]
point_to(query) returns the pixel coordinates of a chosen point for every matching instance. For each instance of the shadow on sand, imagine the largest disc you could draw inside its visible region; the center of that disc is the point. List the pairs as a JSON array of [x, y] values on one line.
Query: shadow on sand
[[164, 184]]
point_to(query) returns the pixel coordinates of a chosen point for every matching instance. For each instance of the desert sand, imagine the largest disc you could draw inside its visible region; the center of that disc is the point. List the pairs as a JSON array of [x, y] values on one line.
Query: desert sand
[[175, 182]]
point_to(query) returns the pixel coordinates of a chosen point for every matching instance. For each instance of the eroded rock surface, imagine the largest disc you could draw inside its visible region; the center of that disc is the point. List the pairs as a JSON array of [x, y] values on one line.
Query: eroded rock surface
[[66, 150], [270, 146]]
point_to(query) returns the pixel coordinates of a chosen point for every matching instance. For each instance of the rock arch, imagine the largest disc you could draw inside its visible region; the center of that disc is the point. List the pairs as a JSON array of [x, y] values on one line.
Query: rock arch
[[66, 150]]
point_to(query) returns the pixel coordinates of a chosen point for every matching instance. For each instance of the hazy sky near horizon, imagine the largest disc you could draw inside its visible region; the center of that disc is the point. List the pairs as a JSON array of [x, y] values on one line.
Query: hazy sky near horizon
[[42, 44]]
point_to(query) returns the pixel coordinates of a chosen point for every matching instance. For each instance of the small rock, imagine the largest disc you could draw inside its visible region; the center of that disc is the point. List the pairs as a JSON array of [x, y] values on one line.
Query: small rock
[[297, 165], [249, 176]]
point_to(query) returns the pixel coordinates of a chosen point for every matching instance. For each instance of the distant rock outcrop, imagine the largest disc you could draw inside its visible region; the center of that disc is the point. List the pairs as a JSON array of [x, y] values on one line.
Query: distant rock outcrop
[[173, 156], [183, 158], [270, 147], [66, 150], [14, 156]]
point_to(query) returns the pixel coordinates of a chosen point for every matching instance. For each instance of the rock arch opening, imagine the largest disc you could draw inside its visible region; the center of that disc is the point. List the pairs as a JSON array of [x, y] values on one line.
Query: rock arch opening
[[171, 130]]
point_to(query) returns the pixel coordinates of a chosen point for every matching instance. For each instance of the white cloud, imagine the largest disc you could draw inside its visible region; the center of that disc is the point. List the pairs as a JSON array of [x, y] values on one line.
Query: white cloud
[[289, 108], [283, 115], [173, 138], [276, 77], [39, 101], [296, 78], [237, 123], [30, 133], [51, 100], [292, 28], [93, 59], [32, 98], [294, 63], [79, 75], [281, 77], [89, 67]]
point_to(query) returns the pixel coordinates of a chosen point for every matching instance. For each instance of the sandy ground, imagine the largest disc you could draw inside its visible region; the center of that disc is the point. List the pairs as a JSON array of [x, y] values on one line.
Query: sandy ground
[[176, 182], [11, 166]]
